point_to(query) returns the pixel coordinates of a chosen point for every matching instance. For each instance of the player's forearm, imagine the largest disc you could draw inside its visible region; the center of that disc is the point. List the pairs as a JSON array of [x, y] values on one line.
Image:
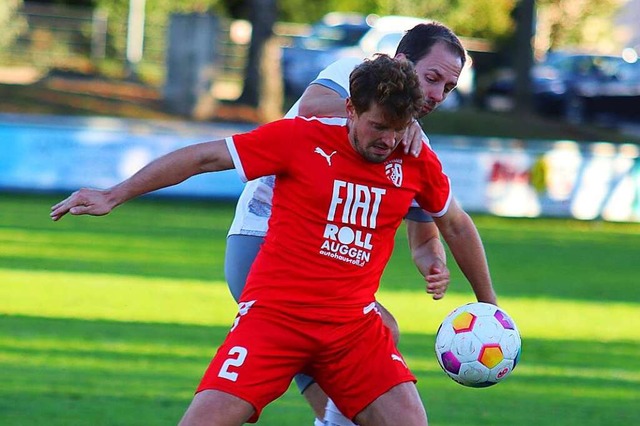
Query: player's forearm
[[467, 249], [427, 254], [168, 170], [426, 248]]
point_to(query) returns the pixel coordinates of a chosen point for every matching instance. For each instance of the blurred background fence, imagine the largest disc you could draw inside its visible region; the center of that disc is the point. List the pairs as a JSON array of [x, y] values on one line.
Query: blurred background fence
[[80, 39], [56, 35], [74, 38]]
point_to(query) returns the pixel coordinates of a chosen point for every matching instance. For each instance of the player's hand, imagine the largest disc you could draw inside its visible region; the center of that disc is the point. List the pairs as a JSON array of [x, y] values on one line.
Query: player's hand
[[85, 201], [412, 139], [437, 280]]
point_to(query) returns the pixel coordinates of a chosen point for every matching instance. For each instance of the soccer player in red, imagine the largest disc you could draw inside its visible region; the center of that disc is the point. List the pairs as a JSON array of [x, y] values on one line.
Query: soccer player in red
[[439, 59], [309, 302]]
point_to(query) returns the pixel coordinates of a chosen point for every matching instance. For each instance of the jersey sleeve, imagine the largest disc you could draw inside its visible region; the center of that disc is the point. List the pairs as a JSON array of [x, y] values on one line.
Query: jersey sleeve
[[435, 193], [263, 151], [336, 76], [416, 214]]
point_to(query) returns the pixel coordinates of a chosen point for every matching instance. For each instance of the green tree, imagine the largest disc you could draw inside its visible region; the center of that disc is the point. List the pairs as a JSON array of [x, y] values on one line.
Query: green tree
[[524, 14], [157, 14], [586, 24], [11, 22], [471, 18], [262, 15]]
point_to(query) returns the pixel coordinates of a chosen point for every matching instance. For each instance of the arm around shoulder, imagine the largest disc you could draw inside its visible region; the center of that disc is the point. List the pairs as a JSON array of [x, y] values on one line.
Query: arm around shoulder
[[318, 100]]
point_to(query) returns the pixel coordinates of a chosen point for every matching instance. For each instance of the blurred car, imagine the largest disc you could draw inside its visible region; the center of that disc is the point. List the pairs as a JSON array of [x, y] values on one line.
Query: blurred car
[[308, 55], [547, 90], [302, 65], [578, 87], [606, 90]]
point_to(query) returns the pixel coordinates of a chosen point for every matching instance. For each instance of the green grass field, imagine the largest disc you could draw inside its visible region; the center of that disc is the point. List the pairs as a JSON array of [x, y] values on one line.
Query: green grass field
[[111, 321]]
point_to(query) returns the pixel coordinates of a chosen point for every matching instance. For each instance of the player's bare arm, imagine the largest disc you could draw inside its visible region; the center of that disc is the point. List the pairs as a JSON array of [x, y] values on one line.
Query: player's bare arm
[[318, 100], [461, 235], [165, 171], [427, 252]]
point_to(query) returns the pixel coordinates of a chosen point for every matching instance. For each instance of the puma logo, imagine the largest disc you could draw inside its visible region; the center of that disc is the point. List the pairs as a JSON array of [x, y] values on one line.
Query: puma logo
[[399, 359], [326, 156], [371, 307]]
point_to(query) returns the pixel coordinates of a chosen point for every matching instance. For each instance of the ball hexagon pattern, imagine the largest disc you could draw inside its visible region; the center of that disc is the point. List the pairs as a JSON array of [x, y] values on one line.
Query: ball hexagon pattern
[[478, 345]]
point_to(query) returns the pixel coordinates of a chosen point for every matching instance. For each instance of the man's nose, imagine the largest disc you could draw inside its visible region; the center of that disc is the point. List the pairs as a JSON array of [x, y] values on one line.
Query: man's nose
[[390, 137], [435, 94]]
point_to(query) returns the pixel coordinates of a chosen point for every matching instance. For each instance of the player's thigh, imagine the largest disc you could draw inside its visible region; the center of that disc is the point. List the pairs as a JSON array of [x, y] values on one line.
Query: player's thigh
[[390, 322], [400, 402], [212, 407], [359, 364], [258, 358], [240, 252]]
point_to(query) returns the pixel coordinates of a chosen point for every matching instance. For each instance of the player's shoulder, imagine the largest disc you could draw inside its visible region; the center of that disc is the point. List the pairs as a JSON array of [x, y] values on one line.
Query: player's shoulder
[[300, 123], [428, 159], [425, 139], [427, 155], [305, 130], [331, 122], [347, 63], [337, 71]]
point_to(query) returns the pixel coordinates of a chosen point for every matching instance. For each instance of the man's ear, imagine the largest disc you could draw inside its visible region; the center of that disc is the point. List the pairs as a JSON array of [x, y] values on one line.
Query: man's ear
[[351, 110], [400, 56]]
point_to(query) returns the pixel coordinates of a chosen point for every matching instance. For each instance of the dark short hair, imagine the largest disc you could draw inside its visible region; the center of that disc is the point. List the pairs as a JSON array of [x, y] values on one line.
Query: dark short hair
[[418, 41], [390, 83]]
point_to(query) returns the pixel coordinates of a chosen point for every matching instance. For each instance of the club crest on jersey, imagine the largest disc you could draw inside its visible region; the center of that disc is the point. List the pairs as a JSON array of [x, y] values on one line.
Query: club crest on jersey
[[393, 170]]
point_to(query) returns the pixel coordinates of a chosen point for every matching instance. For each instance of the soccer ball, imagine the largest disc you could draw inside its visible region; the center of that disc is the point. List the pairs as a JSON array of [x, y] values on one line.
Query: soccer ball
[[478, 345]]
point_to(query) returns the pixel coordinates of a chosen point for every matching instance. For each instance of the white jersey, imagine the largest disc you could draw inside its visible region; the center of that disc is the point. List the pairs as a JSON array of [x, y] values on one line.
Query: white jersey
[[254, 205]]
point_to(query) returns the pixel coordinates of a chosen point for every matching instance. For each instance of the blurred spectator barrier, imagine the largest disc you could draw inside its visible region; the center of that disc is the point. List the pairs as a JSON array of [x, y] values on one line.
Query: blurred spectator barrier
[[66, 153], [497, 176], [543, 178]]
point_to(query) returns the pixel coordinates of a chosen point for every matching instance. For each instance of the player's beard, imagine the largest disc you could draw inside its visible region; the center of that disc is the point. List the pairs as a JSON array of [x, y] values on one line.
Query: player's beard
[[428, 108], [367, 151]]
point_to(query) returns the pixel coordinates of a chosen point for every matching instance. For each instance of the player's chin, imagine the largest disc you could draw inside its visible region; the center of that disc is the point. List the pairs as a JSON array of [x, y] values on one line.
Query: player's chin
[[378, 155], [427, 109]]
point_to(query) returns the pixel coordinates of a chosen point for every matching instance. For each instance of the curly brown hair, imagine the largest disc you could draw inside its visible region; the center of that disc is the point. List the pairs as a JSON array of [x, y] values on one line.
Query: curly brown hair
[[390, 83]]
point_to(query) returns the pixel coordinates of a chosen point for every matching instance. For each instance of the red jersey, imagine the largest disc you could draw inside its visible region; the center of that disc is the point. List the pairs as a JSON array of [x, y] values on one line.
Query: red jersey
[[334, 215]]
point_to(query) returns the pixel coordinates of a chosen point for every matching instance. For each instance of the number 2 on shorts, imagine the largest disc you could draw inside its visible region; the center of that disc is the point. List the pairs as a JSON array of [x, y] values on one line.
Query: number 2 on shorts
[[237, 361]]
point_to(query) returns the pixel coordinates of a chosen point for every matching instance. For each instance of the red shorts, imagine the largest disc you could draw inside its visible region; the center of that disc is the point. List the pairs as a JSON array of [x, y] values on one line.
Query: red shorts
[[351, 356]]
